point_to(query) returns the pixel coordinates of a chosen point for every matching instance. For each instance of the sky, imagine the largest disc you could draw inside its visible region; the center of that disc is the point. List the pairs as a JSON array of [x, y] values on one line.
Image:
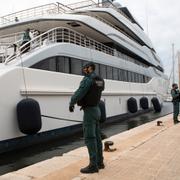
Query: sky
[[159, 18]]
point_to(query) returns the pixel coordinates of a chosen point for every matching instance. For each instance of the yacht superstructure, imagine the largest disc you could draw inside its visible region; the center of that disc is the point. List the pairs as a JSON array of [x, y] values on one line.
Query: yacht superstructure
[[50, 71]]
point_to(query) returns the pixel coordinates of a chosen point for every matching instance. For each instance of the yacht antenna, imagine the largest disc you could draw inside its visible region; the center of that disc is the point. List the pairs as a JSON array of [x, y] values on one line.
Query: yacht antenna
[[178, 56], [147, 18], [173, 61]]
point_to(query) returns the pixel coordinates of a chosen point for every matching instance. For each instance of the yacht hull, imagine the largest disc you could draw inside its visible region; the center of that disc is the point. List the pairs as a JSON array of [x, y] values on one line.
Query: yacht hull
[[53, 91]]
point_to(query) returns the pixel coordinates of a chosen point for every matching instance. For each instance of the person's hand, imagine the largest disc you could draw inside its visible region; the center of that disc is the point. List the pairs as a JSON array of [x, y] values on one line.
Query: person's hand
[[71, 108]]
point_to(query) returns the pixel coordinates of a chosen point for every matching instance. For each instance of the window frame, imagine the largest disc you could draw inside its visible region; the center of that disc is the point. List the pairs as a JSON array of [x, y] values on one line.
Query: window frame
[[101, 69]]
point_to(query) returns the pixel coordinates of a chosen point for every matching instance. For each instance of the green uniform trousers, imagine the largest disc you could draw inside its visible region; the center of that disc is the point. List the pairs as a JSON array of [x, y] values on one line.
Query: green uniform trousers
[[175, 110], [92, 134]]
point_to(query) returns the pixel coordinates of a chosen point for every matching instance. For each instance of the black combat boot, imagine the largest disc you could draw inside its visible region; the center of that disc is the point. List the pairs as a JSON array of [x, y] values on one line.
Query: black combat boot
[[90, 169], [176, 121], [101, 165]]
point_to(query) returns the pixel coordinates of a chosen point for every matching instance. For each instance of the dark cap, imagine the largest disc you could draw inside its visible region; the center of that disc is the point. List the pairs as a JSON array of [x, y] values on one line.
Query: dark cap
[[90, 64], [174, 84]]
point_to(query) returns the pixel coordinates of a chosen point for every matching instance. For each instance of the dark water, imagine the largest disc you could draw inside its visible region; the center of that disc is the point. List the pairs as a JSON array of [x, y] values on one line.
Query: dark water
[[19, 159]]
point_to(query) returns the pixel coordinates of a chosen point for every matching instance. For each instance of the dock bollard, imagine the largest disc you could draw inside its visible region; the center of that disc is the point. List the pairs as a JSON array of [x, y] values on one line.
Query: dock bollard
[[159, 123], [107, 148]]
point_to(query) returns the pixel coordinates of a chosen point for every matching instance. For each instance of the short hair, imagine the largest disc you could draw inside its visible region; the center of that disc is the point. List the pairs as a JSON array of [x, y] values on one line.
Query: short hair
[[174, 84], [90, 64]]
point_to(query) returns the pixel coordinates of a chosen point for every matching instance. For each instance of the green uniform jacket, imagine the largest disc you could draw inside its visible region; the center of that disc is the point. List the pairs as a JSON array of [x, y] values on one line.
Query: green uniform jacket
[[175, 95], [26, 37], [85, 85]]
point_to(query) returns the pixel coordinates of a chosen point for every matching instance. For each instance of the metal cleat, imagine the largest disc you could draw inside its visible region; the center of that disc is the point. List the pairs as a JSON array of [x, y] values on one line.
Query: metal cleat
[[159, 123], [107, 148]]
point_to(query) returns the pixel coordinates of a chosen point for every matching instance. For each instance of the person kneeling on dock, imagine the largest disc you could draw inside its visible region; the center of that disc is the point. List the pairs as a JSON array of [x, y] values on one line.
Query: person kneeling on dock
[[175, 100], [88, 97]]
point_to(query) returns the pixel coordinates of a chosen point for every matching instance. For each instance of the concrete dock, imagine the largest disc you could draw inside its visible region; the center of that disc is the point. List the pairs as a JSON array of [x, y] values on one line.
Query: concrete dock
[[148, 152]]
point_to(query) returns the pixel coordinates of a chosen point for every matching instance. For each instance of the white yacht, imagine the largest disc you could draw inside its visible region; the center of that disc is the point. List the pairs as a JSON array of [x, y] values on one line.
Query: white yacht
[[49, 72]]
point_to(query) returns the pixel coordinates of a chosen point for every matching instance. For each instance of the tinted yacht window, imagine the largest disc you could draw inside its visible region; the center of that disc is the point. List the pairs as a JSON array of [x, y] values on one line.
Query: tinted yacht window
[[97, 69], [126, 75], [60, 64], [141, 78], [48, 64], [133, 76], [103, 71], [121, 78], [144, 79], [115, 74], [76, 66], [66, 65], [63, 64], [109, 72]]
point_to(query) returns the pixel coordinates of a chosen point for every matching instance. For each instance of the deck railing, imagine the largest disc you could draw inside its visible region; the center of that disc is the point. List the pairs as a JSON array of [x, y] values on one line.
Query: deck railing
[[52, 8], [11, 38], [83, 4], [8, 43], [60, 35], [66, 35]]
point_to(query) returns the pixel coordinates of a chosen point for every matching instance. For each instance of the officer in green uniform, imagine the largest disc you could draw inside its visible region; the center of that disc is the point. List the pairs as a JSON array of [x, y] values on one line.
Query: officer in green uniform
[[175, 100], [88, 96]]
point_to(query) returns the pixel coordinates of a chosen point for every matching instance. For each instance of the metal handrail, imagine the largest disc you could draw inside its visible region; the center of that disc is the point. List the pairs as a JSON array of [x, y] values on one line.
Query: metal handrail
[[11, 38], [61, 34], [51, 8], [66, 35], [75, 6], [7, 43], [83, 4], [4, 55]]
